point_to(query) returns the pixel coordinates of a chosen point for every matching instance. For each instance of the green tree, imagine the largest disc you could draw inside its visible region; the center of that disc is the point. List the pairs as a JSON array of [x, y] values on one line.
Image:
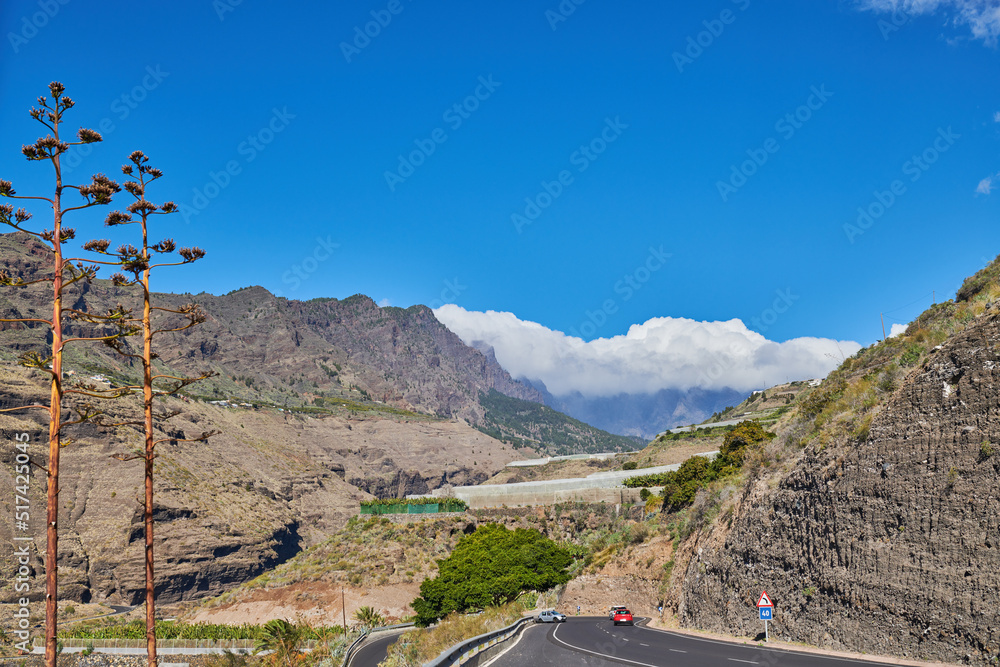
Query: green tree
[[683, 484], [744, 436], [492, 566]]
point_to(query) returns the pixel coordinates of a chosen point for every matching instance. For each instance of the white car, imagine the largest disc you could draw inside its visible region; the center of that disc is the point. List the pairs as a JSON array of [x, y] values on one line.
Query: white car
[[550, 616]]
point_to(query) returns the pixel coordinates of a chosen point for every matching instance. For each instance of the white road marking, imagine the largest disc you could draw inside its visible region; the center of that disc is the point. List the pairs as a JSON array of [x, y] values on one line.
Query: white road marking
[[762, 649], [599, 655], [677, 650], [749, 662], [504, 652]]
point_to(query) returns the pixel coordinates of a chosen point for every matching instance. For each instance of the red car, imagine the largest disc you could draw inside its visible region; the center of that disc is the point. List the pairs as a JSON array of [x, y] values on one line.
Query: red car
[[623, 616]]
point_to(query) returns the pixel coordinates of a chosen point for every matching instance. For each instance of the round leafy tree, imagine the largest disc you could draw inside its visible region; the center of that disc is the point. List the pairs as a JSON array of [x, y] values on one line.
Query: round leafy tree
[[492, 566]]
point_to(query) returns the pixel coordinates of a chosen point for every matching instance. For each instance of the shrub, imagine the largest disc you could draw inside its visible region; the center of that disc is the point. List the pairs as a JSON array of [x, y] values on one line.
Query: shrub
[[630, 465], [746, 434], [492, 566], [912, 355], [637, 533]]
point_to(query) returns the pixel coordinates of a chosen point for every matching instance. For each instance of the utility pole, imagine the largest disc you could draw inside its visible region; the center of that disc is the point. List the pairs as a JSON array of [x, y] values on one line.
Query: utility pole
[[343, 610], [882, 319]]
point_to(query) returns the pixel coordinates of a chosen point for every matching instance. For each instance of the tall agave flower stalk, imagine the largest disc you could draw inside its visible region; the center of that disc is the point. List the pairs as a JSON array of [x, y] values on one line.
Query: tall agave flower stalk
[[65, 273], [138, 262]]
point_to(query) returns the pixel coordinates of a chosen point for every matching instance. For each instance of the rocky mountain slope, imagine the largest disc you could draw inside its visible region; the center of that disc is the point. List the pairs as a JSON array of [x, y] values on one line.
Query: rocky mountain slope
[[270, 484], [880, 531]]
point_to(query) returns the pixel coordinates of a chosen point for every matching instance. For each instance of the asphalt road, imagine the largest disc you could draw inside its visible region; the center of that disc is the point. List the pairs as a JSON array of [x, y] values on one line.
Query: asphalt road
[[374, 650], [595, 642]]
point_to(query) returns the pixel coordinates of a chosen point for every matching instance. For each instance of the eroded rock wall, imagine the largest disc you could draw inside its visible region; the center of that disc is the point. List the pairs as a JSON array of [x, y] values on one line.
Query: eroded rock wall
[[886, 546]]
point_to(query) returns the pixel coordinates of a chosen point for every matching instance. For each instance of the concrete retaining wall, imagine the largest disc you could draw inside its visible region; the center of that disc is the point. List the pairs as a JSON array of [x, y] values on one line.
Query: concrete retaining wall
[[552, 459], [595, 488]]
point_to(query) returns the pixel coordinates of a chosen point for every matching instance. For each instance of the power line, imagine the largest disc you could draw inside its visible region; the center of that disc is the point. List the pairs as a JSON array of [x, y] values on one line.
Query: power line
[[913, 303]]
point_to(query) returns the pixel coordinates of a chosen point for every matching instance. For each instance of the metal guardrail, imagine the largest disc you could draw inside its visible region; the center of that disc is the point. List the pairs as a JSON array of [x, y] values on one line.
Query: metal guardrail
[[352, 648], [349, 653], [459, 653]]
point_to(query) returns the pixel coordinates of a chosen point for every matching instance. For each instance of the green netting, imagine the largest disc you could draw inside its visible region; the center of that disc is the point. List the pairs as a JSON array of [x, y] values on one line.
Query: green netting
[[450, 505]]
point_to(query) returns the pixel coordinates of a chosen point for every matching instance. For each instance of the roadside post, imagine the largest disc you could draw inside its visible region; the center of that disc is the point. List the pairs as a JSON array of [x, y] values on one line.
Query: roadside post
[[765, 609]]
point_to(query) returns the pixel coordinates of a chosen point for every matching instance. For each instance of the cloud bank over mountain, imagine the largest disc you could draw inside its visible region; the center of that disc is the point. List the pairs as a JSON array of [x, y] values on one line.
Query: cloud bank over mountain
[[662, 353]]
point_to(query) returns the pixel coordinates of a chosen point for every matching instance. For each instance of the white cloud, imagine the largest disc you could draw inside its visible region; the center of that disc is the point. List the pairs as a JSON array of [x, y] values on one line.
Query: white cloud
[[985, 186], [662, 353], [981, 16], [384, 303], [897, 330], [996, 116]]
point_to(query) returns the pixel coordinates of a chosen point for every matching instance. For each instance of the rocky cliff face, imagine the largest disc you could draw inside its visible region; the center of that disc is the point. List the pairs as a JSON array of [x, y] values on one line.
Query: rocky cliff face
[[891, 545], [269, 485]]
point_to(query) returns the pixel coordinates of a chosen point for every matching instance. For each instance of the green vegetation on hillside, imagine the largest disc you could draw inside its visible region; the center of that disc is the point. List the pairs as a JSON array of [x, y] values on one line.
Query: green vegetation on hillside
[[681, 485], [526, 424], [847, 401]]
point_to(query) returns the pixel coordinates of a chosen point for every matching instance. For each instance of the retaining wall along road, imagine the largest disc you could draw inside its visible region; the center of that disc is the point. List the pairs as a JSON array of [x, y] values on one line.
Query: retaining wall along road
[[598, 487]]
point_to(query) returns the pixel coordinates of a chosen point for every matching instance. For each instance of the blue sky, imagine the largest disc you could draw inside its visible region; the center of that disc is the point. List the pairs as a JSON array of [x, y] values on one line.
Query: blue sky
[[633, 114]]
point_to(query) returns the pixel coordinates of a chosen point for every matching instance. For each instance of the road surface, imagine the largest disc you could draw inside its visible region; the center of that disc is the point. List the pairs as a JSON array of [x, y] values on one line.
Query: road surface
[[375, 650], [595, 642]]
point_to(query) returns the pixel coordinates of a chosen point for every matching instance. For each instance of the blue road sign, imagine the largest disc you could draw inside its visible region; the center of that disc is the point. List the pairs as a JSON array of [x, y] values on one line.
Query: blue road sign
[[765, 613]]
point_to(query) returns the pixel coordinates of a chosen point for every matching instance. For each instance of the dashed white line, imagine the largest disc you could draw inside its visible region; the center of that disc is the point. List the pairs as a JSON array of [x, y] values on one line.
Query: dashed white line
[[600, 655], [749, 662]]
